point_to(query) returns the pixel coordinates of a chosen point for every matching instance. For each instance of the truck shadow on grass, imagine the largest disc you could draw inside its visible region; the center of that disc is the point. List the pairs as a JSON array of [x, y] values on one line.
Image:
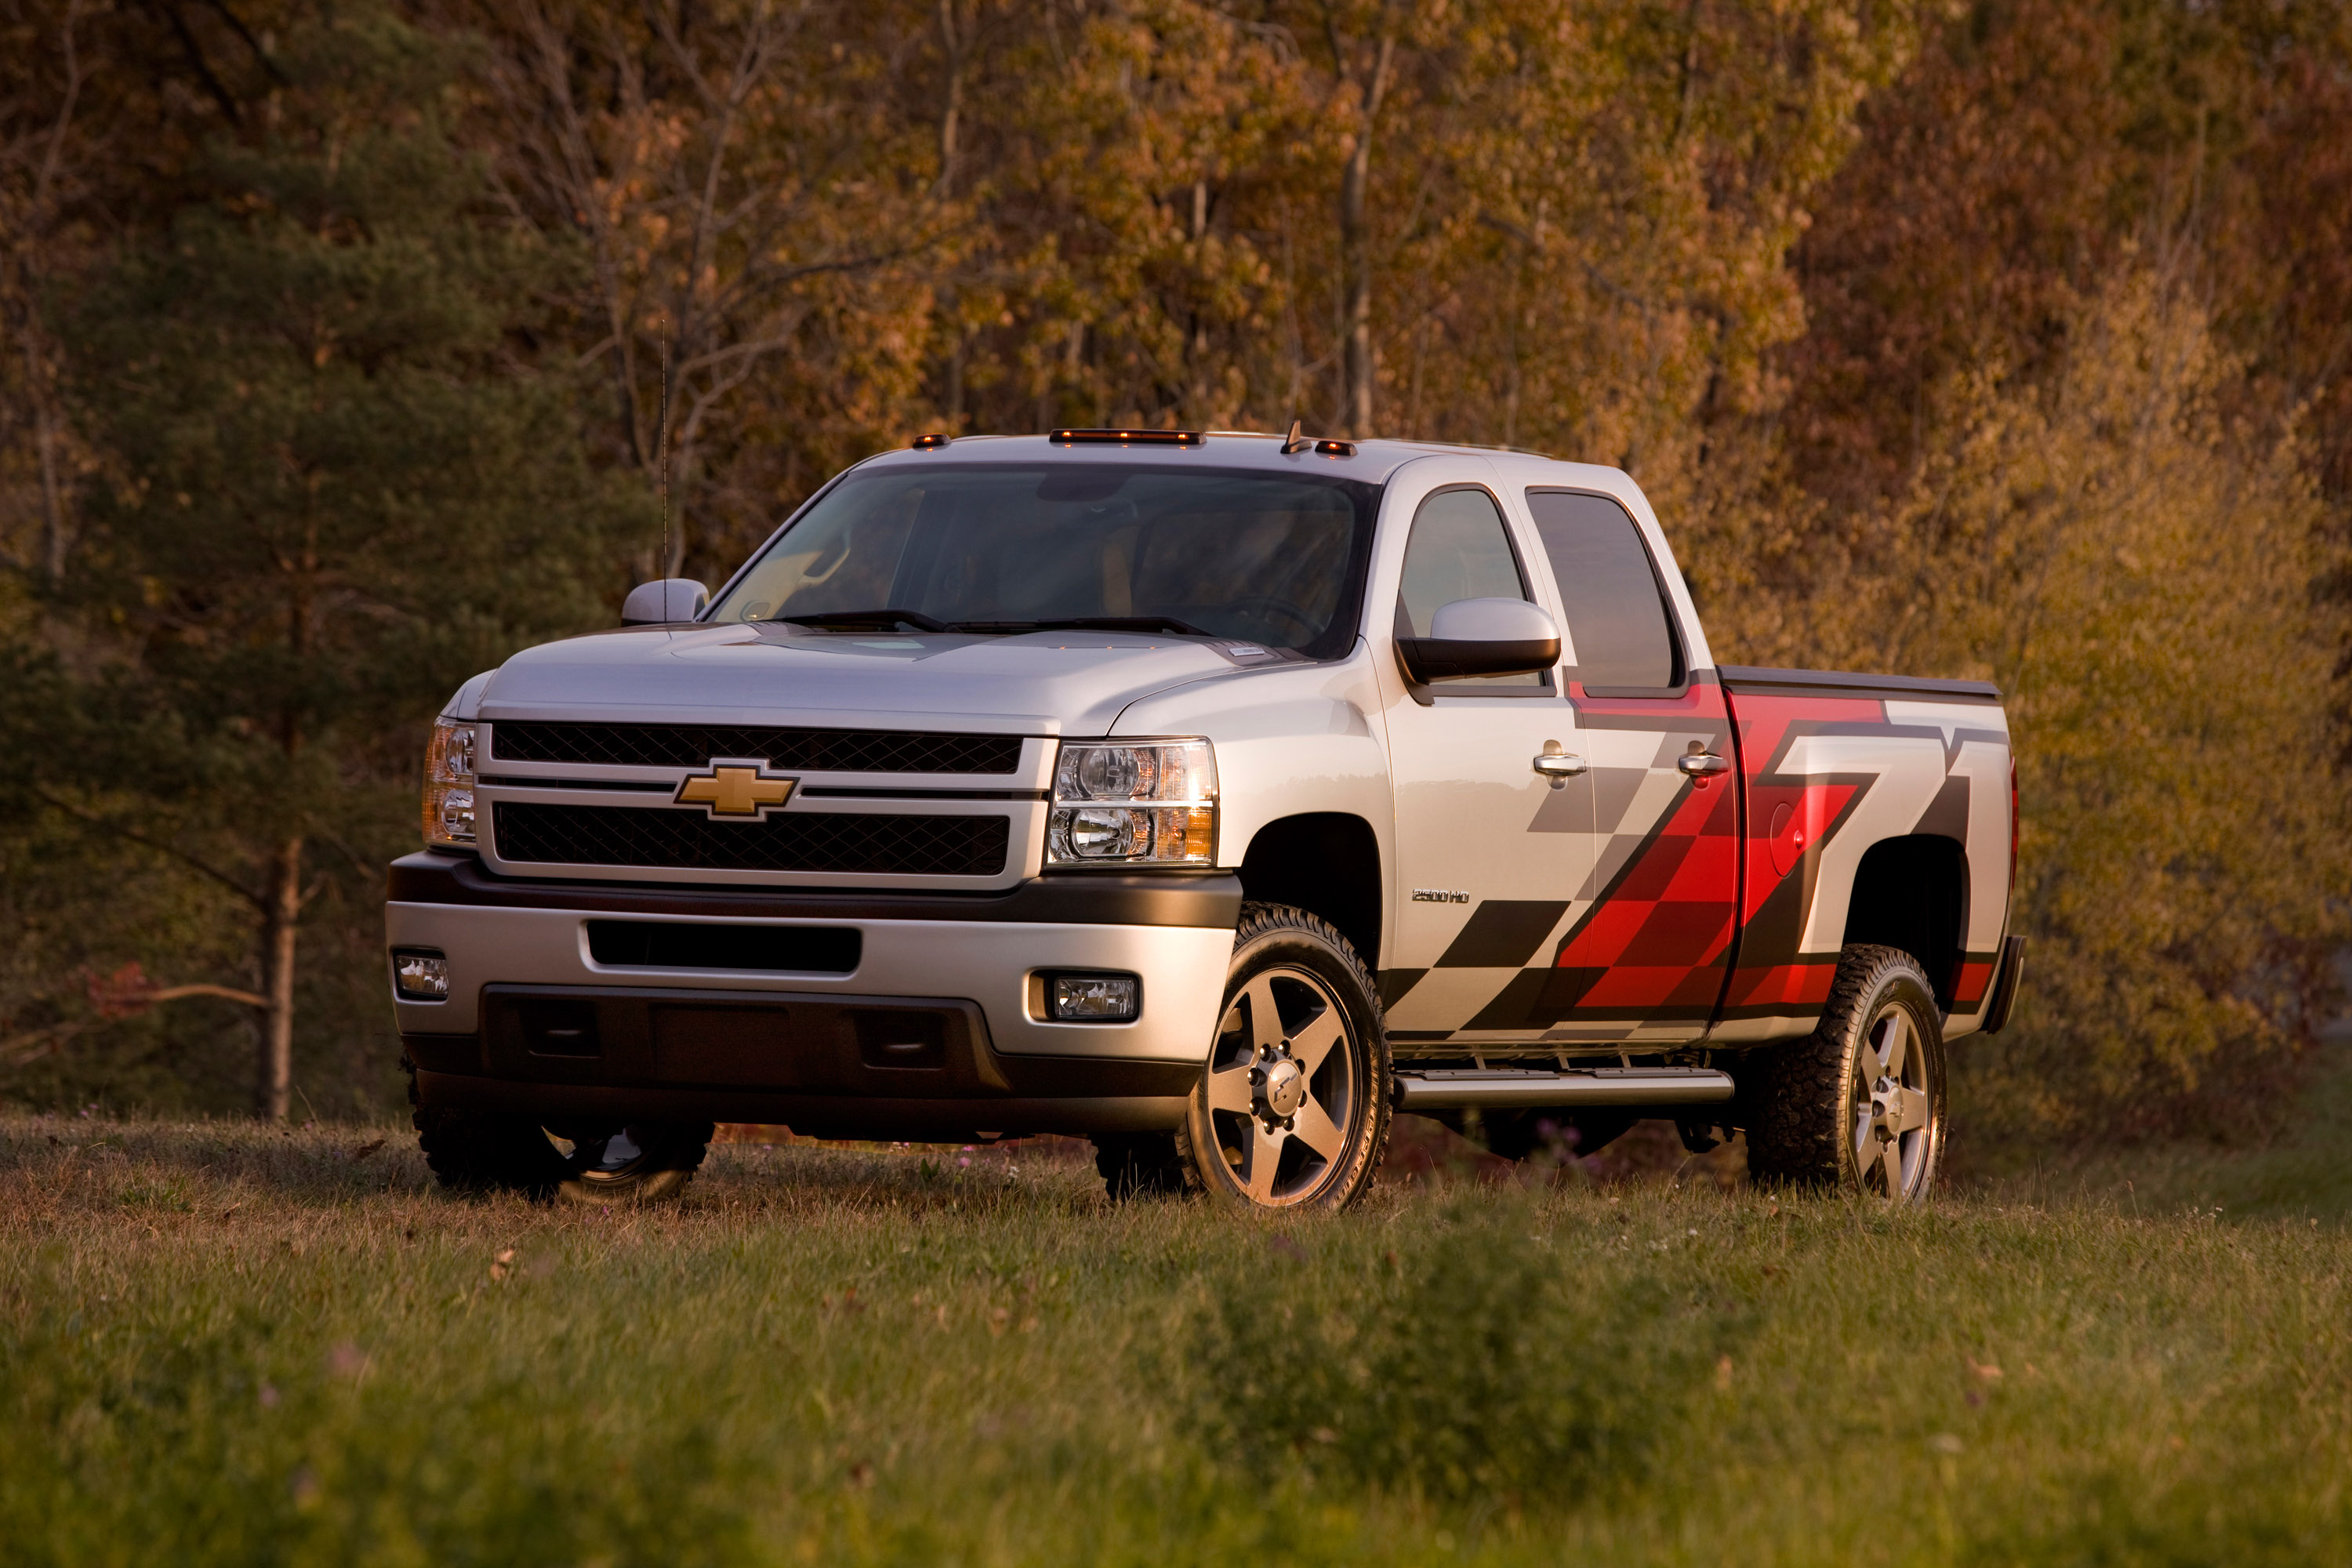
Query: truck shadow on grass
[[231, 1172]]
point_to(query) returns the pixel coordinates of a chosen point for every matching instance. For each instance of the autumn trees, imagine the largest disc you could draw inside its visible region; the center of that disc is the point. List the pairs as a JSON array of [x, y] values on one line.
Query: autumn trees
[[2060, 417], [1987, 342]]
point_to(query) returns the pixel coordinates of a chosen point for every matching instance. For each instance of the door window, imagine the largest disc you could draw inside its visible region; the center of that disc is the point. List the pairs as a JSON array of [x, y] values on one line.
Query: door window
[[1616, 615], [1459, 549]]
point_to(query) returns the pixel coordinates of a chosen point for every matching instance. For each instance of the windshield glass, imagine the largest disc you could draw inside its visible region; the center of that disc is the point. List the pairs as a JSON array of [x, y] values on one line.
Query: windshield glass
[[1270, 558]]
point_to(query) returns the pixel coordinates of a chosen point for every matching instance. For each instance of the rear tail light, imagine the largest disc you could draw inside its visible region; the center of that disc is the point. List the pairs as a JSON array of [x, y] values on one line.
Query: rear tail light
[[2012, 822]]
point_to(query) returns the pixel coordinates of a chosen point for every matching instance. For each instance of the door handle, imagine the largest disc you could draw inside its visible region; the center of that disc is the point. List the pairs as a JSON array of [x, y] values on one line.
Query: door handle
[[1557, 765], [1702, 764]]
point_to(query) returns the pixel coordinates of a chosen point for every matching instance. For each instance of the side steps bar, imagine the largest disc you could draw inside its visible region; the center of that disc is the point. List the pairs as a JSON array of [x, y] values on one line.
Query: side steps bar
[[1456, 1089]]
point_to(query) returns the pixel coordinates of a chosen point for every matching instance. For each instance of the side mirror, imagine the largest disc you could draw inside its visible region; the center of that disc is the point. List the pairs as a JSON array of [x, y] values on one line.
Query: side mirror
[[1482, 636], [658, 604]]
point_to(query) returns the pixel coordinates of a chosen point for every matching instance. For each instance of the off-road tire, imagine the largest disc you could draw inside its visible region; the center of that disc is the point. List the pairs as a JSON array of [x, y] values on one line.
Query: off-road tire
[[474, 1152], [1139, 1165], [1806, 1125], [1306, 955], [471, 1152]]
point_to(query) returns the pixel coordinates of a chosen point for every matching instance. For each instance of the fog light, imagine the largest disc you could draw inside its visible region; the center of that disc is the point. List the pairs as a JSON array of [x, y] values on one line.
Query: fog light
[[420, 975], [1093, 998]]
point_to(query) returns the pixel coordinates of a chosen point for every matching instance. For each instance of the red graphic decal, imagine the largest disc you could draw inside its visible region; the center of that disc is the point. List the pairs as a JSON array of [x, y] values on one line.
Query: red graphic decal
[[1658, 940], [1799, 987], [1789, 817]]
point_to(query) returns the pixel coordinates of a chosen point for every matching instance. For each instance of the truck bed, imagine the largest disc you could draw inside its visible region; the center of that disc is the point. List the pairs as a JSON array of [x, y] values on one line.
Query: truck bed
[[1761, 677], [1874, 808]]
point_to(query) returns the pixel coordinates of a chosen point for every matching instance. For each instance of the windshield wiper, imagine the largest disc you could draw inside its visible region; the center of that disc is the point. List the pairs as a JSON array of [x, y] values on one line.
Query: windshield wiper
[[851, 620], [1090, 624]]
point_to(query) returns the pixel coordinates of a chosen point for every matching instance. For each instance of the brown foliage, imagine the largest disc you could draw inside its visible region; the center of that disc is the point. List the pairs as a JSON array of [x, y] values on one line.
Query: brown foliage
[[2007, 340]]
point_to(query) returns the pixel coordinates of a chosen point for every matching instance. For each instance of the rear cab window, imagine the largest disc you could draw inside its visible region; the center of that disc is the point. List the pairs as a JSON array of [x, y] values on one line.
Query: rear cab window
[[1619, 622]]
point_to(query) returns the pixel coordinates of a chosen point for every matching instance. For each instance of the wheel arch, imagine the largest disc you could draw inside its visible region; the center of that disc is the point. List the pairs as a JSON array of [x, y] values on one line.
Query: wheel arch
[[1326, 863], [1912, 892]]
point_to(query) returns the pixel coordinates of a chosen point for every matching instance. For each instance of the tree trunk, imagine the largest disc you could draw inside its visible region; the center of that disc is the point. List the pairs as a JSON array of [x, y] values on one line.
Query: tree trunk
[[280, 920], [37, 388], [1356, 248]]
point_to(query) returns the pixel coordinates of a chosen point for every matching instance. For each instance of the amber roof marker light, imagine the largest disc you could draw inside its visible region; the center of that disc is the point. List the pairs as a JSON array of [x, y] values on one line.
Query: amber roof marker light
[[1321, 446], [931, 443], [1079, 437]]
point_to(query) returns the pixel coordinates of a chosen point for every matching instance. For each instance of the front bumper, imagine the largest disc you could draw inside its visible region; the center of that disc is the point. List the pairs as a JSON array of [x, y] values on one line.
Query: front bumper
[[939, 1017]]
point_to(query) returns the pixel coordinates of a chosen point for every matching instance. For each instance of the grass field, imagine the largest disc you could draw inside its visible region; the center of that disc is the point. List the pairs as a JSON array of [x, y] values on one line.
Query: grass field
[[223, 1344]]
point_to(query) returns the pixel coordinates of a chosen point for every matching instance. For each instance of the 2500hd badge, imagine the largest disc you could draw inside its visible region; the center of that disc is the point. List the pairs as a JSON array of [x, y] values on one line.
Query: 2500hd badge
[[1095, 784]]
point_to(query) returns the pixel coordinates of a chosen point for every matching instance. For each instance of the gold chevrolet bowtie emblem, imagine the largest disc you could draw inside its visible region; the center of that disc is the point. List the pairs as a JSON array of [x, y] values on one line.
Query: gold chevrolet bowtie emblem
[[735, 790]]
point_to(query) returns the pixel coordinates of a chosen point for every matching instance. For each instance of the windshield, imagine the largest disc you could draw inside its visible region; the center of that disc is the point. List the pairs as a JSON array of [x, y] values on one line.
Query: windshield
[[1269, 558]]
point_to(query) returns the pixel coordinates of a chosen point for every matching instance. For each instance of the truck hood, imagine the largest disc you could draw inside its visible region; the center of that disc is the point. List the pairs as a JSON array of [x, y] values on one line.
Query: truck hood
[[1035, 683]]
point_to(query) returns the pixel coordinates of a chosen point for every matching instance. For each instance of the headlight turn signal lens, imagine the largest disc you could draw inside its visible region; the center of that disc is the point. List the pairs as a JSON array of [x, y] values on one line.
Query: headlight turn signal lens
[[1150, 802], [449, 786]]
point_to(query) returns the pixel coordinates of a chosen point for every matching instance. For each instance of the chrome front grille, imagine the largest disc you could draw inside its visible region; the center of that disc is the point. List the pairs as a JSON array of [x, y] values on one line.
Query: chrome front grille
[[810, 751], [839, 843]]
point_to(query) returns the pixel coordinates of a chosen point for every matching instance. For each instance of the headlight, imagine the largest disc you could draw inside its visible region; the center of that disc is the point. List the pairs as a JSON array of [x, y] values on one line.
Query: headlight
[[450, 785], [1126, 804]]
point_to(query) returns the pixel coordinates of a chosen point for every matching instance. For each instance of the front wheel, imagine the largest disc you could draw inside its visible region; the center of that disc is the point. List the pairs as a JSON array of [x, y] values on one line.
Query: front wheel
[[1292, 1110], [602, 1163], [1858, 1104]]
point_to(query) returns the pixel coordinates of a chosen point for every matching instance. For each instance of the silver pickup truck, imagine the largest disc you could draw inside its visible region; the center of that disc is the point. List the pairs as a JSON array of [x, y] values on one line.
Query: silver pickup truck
[[1212, 796]]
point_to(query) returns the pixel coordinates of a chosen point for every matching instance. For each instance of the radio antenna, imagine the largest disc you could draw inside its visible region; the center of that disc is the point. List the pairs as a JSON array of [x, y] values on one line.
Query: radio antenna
[[663, 429]]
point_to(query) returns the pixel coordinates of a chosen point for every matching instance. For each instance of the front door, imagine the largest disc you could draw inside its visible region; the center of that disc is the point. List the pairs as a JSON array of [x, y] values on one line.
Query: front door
[[1491, 852]]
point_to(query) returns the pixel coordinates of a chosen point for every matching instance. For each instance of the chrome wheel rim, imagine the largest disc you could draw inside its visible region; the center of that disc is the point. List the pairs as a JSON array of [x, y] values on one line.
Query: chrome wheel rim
[[1282, 1088], [1893, 1107]]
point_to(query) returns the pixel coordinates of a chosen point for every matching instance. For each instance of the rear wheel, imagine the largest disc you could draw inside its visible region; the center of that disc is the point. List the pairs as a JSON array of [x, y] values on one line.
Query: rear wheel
[[1292, 1108], [603, 1164], [1858, 1104]]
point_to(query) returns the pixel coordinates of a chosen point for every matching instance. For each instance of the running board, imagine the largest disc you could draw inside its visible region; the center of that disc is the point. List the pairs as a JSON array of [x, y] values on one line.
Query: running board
[[1458, 1089]]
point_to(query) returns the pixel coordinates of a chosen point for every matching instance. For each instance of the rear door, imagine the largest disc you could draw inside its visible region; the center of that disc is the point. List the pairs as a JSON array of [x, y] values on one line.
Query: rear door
[[1646, 959]]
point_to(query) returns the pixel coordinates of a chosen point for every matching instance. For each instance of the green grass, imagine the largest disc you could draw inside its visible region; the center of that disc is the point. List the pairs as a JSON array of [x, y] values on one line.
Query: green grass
[[2304, 1174], [226, 1344]]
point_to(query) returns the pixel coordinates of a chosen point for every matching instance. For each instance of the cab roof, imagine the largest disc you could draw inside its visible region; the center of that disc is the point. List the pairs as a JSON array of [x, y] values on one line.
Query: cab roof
[[1371, 460]]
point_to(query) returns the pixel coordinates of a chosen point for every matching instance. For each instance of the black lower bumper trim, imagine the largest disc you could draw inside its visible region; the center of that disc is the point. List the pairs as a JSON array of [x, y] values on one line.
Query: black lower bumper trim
[[895, 1066], [811, 1116], [1213, 899], [2006, 977]]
